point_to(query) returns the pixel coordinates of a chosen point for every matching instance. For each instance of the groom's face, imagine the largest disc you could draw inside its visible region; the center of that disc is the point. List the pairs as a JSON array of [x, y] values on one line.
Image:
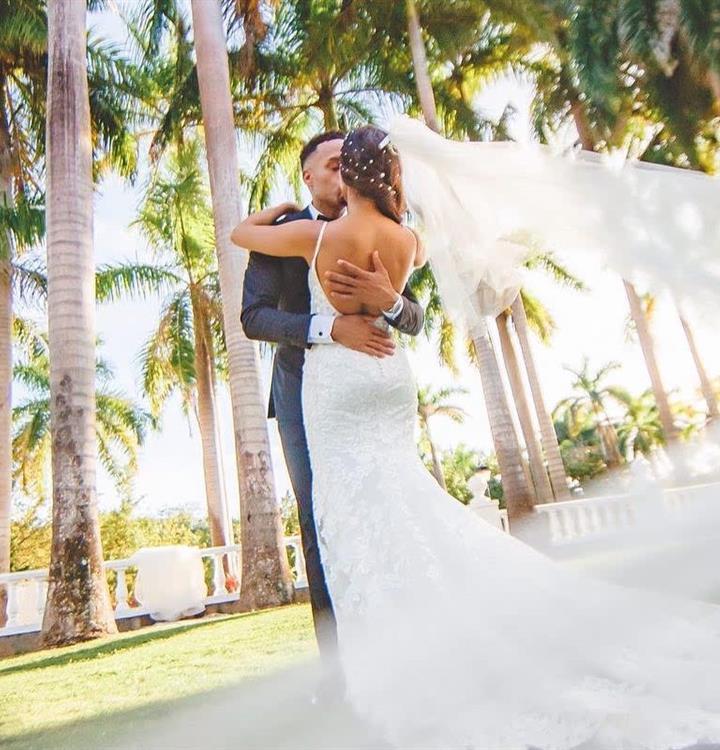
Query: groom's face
[[321, 173]]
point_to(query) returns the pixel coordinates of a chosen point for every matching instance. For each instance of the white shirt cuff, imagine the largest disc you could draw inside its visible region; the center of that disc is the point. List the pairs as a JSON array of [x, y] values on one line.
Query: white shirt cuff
[[394, 312], [321, 329]]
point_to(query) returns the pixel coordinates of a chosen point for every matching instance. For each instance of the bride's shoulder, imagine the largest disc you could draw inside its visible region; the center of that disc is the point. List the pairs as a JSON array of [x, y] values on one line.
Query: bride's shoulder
[[414, 249]]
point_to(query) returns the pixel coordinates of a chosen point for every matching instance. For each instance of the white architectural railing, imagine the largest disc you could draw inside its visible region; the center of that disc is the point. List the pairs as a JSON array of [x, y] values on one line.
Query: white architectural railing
[[27, 589], [571, 520]]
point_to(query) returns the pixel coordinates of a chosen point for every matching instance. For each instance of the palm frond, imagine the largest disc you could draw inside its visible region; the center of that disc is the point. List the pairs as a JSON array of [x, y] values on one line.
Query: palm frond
[[141, 280]]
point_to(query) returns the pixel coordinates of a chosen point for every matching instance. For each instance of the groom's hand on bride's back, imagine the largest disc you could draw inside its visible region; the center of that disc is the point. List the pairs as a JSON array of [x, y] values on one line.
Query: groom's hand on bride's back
[[358, 332]]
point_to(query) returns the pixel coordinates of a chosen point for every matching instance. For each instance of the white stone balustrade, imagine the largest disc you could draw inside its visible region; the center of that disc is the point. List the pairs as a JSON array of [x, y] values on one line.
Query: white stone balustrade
[[27, 590], [299, 571], [572, 520]]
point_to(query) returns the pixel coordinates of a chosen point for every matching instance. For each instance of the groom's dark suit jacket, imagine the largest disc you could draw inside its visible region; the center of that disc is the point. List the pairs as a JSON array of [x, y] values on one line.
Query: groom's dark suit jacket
[[276, 308]]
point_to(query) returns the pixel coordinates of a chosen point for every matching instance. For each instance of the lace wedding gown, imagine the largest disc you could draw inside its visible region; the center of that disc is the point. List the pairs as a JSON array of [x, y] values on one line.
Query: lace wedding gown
[[454, 634]]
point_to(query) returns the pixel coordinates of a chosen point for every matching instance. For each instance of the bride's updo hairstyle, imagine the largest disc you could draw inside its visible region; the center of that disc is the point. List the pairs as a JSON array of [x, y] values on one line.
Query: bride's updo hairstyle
[[370, 164]]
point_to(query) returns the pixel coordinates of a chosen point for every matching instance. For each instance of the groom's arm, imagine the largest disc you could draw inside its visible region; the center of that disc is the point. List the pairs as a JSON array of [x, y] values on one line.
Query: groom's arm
[[411, 318], [260, 318]]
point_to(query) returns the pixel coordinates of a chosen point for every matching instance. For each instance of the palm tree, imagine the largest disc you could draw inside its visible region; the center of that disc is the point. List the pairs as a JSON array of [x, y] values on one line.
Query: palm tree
[[660, 54], [318, 69], [580, 442], [121, 424], [435, 403], [538, 472], [266, 579], [185, 351], [551, 448], [6, 314], [78, 601], [22, 74], [705, 382], [458, 466], [592, 395], [423, 83], [647, 344], [23, 79], [518, 493], [601, 119], [640, 431]]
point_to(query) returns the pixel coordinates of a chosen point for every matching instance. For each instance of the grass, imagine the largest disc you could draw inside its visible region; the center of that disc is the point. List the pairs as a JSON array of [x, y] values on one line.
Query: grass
[[45, 696]]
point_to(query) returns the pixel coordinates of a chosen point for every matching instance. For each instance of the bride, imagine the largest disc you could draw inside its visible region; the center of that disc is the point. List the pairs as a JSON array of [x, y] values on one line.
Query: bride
[[453, 634]]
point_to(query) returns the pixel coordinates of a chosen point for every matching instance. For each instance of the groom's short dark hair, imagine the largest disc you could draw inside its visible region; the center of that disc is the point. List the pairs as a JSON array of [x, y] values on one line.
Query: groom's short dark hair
[[314, 142]]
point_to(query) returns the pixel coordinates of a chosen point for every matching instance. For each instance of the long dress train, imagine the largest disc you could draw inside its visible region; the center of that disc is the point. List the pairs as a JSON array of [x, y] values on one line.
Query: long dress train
[[454, 634]]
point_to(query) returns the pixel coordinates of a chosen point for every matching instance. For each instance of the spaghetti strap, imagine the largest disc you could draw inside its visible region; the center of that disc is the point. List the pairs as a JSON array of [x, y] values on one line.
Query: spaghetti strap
[[415, 237], [317, 243]]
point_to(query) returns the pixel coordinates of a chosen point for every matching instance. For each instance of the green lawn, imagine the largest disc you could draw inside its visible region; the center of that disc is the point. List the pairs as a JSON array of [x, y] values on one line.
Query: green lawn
[[55, 698]]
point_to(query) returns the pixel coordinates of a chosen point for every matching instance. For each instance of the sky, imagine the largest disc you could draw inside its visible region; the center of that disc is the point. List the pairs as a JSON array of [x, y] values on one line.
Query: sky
[[591, 324]]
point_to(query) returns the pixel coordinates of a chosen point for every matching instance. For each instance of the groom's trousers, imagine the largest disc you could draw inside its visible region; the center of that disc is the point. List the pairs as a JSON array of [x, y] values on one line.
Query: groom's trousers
[[294, 443]]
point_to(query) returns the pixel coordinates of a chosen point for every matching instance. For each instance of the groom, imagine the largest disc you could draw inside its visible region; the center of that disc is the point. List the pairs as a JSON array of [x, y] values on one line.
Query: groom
[[276, 308]]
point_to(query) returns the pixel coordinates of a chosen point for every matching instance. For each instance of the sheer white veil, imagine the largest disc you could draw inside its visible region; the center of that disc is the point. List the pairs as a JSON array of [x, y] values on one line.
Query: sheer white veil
[[481, 207]]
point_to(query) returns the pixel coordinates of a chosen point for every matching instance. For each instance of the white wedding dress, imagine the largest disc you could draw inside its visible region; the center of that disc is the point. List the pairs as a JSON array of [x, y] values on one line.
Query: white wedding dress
[[454, 634]]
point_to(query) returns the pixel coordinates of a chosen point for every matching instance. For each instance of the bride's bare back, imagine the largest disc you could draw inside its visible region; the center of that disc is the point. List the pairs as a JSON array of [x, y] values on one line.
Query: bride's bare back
[[354, 239]]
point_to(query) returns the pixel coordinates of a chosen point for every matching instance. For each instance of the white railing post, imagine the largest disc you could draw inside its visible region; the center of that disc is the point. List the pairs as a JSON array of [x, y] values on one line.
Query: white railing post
[[218, 579], [299, 569], [122, 605], [41, 594], [13, 605]]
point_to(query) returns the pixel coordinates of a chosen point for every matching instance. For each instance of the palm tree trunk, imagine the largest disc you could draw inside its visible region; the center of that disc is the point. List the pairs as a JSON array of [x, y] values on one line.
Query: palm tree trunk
[[266, 579], [516, 490], [437, 464], [206, 416], [587, 140], [420, 67], [78, 602], [327, 106], [608, 439], [705, 384], [648, 349], [556, 468], [538, 473], [6, 316]]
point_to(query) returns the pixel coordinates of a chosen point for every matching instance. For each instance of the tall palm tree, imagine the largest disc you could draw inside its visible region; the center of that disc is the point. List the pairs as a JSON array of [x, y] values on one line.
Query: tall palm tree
[[647, 344], [432, 403], [6, 315], [184, 353], [22, 73], [266, 579], [601, 120], [421, 70], [551, 448], [517, 491], [593, 396], [538, 472], [705, 382], [23, 82], [78, 602]]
